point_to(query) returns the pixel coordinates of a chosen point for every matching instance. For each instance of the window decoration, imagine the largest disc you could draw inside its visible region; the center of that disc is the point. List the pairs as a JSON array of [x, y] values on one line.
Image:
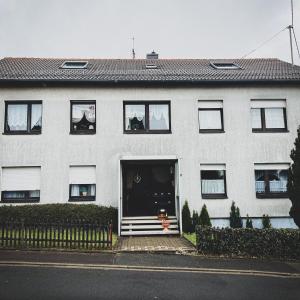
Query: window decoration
[[271, 183], [268, 115], [20, 184], [23, 117], [213, 183], [147, 117], [83, 117]]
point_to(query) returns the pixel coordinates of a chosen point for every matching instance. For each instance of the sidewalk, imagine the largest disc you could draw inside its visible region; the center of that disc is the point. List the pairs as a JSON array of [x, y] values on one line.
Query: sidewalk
[[148, 260]]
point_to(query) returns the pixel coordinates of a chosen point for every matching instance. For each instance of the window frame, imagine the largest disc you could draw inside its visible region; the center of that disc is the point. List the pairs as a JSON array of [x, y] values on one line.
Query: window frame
[[147, 121], [81, 198], [84, 102], [26, 199], [263, 121], [212, 130], [29, 104], [267, 193], [214, 196]]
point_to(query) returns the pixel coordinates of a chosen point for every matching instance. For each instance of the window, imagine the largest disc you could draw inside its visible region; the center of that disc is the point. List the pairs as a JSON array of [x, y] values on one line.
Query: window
[[82, 183], [210, 115], [83, 117], [213, 181], [74, 65], [23, 117], [147, 117], [268, 116], [20, 184], [225, 65], [271, 183]]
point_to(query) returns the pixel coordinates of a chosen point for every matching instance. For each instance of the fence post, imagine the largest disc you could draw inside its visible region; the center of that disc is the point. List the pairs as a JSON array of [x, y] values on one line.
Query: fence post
[[110, 234], [22, 238]]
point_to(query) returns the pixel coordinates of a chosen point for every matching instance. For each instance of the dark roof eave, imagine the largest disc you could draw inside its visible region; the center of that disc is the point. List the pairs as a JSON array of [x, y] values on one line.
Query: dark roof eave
[[80, 82]]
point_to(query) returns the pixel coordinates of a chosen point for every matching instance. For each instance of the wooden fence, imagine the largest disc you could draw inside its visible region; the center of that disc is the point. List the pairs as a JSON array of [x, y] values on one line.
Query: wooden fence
[[63, 235]]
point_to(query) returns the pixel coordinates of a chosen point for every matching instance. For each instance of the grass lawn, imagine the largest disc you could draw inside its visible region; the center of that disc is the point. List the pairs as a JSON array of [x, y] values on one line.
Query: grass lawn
[[191, 237]]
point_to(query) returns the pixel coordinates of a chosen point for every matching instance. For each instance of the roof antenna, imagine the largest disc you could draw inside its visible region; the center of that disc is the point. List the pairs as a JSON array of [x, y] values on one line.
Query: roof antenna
[[133, 52], [291, 28]]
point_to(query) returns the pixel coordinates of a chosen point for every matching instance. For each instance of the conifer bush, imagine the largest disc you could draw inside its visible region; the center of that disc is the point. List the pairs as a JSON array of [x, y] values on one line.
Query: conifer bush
[[187, 225], [293, 185], [249, 222], [204, 219], [235, 217], [266, 223]]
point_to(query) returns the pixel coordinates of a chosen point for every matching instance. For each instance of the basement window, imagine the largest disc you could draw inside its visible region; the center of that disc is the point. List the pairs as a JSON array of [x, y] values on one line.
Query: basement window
[[74, 65], [225, 66]]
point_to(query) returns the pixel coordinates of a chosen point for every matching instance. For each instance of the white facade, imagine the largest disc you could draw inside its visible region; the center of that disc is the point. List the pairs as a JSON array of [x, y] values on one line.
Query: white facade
[[238, 148]]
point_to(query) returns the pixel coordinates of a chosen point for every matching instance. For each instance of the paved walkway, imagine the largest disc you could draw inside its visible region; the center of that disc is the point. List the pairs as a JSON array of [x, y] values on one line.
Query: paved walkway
[[154, 244]]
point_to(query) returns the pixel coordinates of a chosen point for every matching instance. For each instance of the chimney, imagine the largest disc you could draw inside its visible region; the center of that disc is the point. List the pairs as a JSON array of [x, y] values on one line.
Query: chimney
[[152, 55]]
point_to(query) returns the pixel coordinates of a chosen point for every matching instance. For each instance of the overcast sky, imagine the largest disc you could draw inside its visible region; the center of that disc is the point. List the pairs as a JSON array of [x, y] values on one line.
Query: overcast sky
[[173, 28]]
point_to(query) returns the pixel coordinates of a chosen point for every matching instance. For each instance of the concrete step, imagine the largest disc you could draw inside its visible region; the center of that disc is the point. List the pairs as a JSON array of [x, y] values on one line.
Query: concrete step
[[147, 226], [156, 221], [146, 218]]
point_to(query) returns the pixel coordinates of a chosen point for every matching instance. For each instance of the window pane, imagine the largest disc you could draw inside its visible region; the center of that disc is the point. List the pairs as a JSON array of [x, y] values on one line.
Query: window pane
[[36, 117], [256, 117], [17, 117], [210, 119], [135, 117], [159, 116], [14, 194], [278, 181], [274, 118], [83, 190], [83, 117], [260, 181], [212, 182], [34, 194]]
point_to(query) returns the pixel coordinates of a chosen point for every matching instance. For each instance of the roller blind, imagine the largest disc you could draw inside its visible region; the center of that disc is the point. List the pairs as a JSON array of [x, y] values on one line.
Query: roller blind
[[210, 104], [82, 175], [270, 166], [268, 103], [212, 167], [21, 179]]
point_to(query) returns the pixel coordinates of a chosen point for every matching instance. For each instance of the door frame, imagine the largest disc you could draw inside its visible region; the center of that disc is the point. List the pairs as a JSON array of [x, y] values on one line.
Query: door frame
[[177, 184]]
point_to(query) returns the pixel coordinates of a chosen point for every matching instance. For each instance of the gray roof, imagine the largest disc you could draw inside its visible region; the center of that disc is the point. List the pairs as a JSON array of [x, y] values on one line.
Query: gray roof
[[16, 70]]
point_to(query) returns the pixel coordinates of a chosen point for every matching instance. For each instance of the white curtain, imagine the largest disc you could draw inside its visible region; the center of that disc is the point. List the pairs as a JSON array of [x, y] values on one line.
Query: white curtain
[[34, 194], [75, 190], [36, 115], [213, 186], [260, 186], [210, 119], [15, 194], [132, 111], [17, 116], [159, 116], [78, 110], [278, 186], [256, 117], [92, 190], [274, 118]]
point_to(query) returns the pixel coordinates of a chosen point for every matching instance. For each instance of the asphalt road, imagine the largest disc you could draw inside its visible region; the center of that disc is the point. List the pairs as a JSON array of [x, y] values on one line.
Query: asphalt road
[[42, 282]]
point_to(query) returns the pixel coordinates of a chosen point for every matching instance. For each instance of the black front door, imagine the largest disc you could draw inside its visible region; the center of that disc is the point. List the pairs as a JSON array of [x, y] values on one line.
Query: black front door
[[148, 186]]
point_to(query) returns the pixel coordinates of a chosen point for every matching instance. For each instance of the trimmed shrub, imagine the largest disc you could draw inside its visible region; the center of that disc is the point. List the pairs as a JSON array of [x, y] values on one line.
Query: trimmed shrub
[[293, 185], [235, 217], [267, 243], [266, 223], [249, 222], [187, 225], [204, 219], [195, 220], [61, 213]]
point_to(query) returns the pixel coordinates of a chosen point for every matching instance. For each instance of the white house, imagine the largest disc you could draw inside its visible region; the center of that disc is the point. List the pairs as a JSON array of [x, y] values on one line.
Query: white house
[[147, 134]]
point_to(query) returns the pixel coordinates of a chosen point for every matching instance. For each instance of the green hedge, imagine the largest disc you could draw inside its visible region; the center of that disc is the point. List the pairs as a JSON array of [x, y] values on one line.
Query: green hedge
[[269, 243], [61, 213]]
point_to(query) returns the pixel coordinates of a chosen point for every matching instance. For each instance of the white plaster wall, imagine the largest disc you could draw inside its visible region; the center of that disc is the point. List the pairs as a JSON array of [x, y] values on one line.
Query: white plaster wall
[[55, 149]]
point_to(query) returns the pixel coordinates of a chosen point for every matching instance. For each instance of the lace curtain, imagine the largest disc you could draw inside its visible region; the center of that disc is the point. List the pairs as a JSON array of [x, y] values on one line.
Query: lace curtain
[[17, 116], [213, 186], [274, 118], [76, 189], [159, 117], [134, 111], [256, 117], [79, 110], [36, 116]]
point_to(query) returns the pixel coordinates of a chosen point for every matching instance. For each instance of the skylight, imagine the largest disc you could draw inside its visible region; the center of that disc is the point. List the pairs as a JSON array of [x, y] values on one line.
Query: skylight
[[74, 64], [225, 65]]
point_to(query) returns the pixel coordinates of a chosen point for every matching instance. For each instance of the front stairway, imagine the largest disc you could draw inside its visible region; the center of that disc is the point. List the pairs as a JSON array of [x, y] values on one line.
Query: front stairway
[[148, 226]]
